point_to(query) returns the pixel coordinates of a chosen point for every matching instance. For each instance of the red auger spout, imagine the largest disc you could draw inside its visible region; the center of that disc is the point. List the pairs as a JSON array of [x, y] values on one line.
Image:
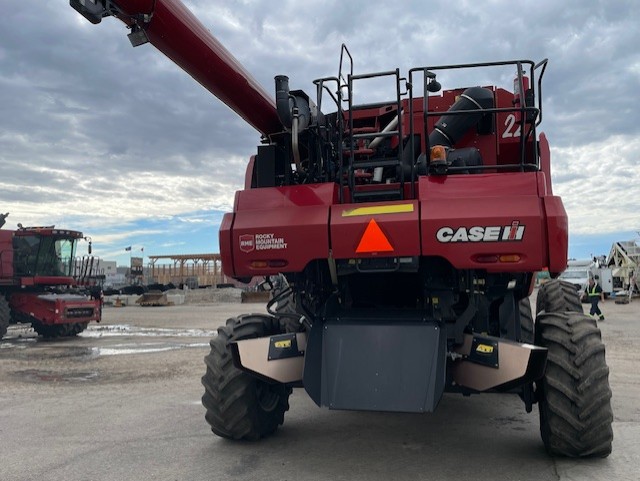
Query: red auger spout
[[176, 32]]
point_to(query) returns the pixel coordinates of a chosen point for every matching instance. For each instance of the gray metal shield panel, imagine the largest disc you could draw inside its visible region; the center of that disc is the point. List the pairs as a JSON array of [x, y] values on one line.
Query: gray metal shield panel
[[383, 367]]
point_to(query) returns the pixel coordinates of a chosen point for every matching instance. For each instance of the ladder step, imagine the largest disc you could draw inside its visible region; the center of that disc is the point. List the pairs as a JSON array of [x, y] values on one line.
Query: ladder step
[[361, 174], [361, 130], [358, 152], [389, 73], [390, 105], [389, 133], [363, 161], [368, 164], [376, 195]]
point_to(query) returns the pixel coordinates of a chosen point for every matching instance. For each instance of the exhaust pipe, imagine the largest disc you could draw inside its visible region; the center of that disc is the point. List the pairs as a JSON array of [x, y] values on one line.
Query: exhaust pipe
[[291, 105], [294, 114], [283, 103]]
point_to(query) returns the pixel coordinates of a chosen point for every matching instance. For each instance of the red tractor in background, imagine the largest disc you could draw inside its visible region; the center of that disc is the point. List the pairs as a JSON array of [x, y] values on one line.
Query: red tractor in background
[[404, 236], [41, 283]]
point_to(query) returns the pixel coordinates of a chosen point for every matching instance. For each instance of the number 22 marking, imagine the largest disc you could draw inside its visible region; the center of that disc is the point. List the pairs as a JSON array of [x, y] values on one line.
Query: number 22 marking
[[512, 130]]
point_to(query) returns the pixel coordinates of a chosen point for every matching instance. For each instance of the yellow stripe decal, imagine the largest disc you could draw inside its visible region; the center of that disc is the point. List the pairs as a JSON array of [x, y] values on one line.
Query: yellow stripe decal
[[378, 209]]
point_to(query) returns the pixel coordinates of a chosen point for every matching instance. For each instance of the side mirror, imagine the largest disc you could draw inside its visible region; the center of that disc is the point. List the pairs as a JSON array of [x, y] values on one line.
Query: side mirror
[[89, 248]]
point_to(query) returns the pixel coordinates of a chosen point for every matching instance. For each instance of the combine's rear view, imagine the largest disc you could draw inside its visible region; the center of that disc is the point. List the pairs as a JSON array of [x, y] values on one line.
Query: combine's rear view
[[403, 237]]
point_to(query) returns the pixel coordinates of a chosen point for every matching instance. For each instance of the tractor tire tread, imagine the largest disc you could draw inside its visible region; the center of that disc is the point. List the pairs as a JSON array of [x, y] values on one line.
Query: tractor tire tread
[[52, 331], [558, 296], [526, 321], [574, 396], [231, 395]]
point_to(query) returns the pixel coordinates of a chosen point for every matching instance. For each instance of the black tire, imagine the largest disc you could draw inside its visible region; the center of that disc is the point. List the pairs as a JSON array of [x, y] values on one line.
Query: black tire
[[526, 321], [51, 331], [286, 306], [77, 327], [241, 406], [5, 316], [558, 296], [574, 396]]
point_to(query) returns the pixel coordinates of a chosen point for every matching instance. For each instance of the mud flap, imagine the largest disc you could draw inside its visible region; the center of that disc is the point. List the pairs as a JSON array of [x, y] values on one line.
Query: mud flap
[[497, 364], [395, 366], [278, 358]]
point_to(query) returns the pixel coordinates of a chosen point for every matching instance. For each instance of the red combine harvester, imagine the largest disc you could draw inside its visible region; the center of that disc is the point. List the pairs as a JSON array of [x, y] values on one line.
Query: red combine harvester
[[37, 282], [404, 236]]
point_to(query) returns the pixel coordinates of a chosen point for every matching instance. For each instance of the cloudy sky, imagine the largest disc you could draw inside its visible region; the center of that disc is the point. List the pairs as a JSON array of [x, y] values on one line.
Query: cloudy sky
[[121, 144]]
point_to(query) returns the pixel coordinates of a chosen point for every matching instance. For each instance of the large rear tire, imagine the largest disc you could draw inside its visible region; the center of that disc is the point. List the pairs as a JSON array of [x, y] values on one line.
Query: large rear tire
[[574, 396], [526, 321], [558, 296], [5, 316], [240, 406]]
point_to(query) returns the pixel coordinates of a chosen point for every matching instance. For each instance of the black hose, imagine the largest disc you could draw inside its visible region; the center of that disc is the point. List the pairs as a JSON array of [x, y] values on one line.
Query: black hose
[[451, 127]]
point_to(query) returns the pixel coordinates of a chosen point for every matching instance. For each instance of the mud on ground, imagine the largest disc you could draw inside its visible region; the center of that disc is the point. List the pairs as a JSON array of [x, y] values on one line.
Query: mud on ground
[[122, 401]]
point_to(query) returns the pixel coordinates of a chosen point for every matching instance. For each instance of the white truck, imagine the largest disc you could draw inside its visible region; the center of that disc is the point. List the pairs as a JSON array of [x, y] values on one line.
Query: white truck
[[579, 271]]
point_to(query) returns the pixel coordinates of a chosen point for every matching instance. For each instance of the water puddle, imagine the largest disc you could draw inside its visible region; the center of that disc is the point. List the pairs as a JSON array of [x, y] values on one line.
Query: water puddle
[[127, 330], [133, 348], [18, 336], [8, 343], [102, 340]]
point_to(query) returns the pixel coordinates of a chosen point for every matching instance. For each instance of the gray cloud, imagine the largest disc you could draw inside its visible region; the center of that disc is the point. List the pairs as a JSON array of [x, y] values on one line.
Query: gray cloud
[[90, 124]]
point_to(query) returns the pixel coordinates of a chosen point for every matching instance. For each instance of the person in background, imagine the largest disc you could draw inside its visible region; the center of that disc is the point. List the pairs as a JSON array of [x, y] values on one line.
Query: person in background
[[594, 294]]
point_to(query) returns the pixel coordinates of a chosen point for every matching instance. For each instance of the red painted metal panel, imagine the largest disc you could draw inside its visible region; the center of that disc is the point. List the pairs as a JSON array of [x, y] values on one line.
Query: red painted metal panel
[[402, 229], [6, 257], [545, 161], [281, 229], [51, 308], [465, 218], [224, 238], [266, 242], [558, 233], [478, 185], [293, 196]]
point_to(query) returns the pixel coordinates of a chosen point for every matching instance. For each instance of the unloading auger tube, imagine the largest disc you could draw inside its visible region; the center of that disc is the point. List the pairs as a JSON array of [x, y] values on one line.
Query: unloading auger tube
[[170, 27]]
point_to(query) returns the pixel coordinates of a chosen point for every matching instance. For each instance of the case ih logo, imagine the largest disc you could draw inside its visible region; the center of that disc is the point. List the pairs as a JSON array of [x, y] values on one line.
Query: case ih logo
[[478, 233], [247, 243]]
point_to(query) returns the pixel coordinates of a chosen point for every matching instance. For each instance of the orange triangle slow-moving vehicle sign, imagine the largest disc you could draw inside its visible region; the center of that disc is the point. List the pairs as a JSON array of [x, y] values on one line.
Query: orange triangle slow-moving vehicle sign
[[373, 240]]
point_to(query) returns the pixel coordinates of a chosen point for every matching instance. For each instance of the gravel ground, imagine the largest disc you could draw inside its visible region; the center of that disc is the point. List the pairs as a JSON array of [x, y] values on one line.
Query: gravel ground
[[122, 402]]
